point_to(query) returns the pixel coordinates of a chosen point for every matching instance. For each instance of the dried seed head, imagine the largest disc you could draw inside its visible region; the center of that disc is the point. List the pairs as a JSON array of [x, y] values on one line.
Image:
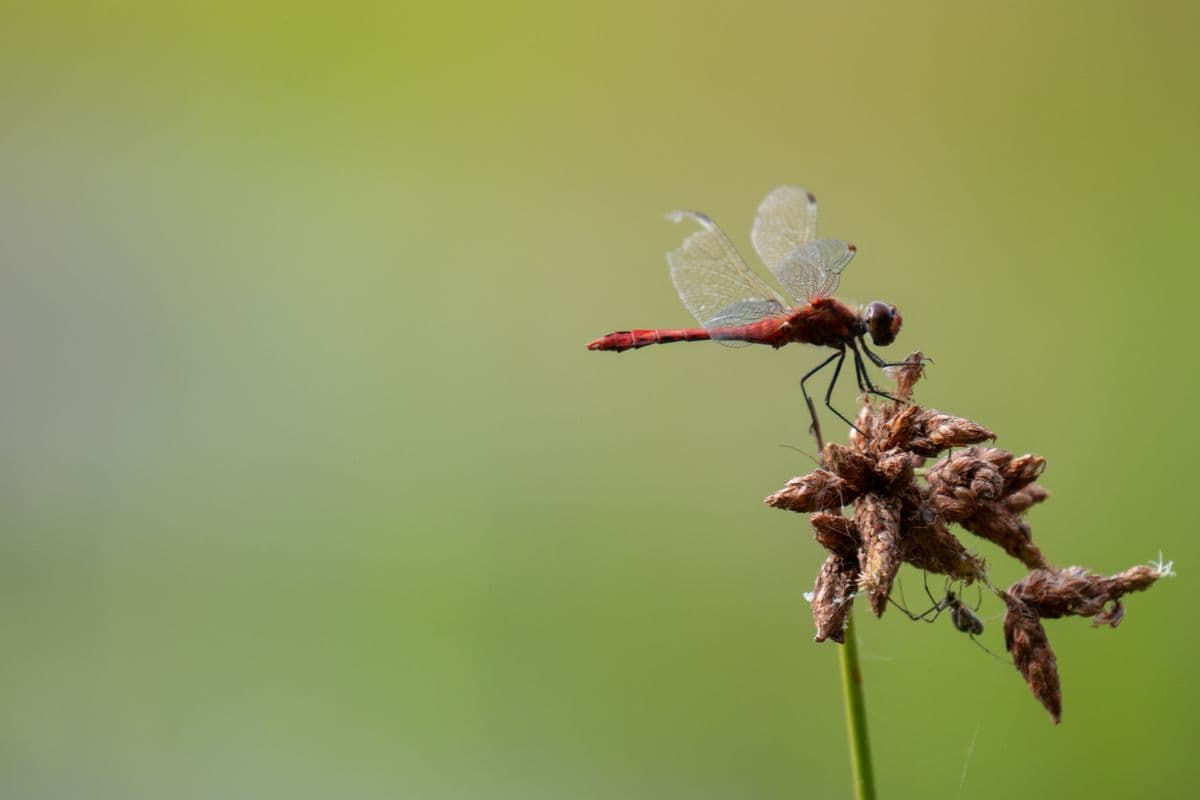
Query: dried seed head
[[934, 549], [854, 467], [935, 432], [863, 432], [898, 428], [878, 520], [1022, 471], [898, 519], [837, 534], [963, 482], [999, 525], [819, 490], [1022, 499], [894, 471], [969, 486], [833, 595], [1026, 640], [1074, 591]]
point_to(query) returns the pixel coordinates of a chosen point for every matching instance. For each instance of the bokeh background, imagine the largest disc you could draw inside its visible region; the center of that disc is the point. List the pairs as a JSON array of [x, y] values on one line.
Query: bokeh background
[[309, 488]]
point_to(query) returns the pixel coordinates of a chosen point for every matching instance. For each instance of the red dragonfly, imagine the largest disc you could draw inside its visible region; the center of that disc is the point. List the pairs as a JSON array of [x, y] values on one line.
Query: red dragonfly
[[736, 307]]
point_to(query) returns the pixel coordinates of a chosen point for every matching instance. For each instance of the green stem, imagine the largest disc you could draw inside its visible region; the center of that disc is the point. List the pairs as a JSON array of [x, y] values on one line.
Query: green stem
[[856, 716]]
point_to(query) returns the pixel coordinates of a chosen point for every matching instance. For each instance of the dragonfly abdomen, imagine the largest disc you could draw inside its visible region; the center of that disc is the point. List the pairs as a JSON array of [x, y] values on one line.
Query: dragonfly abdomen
[[631, 340]]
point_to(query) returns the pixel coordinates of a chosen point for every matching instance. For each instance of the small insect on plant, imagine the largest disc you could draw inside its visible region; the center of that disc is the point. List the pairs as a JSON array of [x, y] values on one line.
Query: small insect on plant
[[963, 617]]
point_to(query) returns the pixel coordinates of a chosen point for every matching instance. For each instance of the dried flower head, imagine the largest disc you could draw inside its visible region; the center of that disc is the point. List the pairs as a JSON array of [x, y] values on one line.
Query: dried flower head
[[1073, 591], [877, 517], [837, 579], [819, 490], [1026, 640], [972, 487], [902, 514]]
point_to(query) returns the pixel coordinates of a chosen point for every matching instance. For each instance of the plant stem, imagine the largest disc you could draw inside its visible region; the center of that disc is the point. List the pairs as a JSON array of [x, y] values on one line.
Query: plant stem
[[856, 716]]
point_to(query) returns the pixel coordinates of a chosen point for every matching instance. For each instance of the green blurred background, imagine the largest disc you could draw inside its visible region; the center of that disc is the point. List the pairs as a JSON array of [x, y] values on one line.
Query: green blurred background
[[309, 488]]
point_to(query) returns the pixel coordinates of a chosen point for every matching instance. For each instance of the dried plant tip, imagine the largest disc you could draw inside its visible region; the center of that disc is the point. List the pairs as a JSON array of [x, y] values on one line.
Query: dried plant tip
[[897, 428], [895, 471], [854, 467], [1073, 591], [999, 525], [819, 490], [837, 534], [934, 549], [968, 487], [832, 597], [938, 431], [1026, 641], [963, 483], [1024, 498], [863, 432], [878, 521], [1022, 471], [907, 374]]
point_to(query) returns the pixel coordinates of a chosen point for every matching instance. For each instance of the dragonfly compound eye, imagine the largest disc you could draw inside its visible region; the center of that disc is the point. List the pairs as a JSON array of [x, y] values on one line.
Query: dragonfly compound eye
[[883, 323]]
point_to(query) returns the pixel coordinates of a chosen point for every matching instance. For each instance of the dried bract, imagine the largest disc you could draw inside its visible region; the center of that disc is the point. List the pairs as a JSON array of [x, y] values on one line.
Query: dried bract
[[934, 432], [855, 468], [1074, 591], [1022, 499], [878, 521], [819, 490], [833, 594], [907, 374], [934, 549], [837, 534], [1025, 639], [970, 487]]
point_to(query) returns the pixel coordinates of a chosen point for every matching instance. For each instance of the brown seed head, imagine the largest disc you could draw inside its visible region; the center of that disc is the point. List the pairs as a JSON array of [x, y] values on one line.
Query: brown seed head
[[1021, 471], [1073, 591], [837, 534], [819, 490], [854, 467], [934, 549], [878, 520], [894, 471], [1025, 639], [934, 432], [833, 595], [969, 487], [1022, 499]]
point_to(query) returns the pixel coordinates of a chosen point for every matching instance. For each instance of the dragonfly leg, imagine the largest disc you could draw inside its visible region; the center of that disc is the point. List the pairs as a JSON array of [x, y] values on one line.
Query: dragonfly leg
[[879, 362], [864, 380], [815, 428], [832, 383]]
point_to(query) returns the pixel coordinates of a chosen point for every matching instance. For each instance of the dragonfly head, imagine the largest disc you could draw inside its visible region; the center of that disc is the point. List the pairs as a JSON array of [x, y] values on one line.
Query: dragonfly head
[[883, 323]]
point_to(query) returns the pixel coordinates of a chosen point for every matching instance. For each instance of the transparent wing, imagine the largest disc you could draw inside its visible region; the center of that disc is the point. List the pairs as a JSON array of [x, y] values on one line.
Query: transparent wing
[[814, 269], [787, 219], [713, 281]]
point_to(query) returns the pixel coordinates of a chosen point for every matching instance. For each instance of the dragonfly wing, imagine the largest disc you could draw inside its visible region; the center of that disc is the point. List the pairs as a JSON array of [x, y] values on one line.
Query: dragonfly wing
[[713, 281], [787, 219], [814, 269], [742, 313]]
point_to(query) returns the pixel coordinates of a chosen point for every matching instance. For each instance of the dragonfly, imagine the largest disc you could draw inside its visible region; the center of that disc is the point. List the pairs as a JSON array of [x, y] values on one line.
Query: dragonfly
[[736, 307]]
